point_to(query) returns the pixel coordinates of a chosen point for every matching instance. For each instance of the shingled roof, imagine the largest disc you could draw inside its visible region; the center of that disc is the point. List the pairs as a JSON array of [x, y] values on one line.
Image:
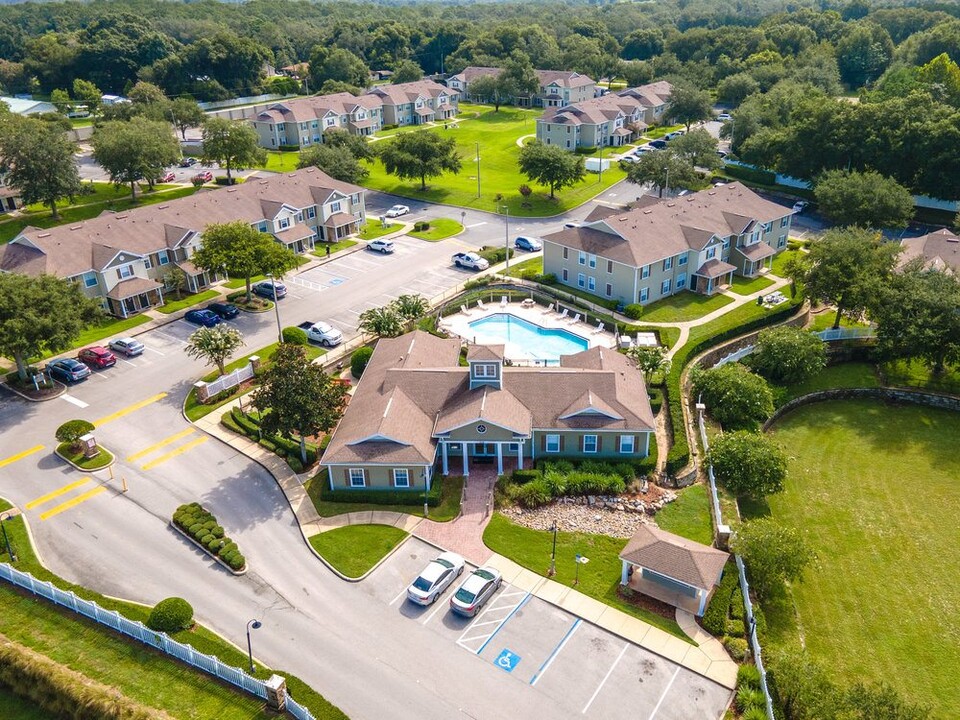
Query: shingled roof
[[676, 557], [940, 250]]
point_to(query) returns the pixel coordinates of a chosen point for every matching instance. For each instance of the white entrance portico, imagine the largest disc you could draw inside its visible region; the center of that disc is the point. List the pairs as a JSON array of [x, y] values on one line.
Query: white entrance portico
[[504, 453]]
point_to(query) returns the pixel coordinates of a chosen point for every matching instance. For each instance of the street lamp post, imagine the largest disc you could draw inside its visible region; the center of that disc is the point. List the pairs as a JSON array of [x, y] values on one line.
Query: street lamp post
[[506, 236], [553, 553], [478, 171], [276, 306], [254, 624], [6, 540]]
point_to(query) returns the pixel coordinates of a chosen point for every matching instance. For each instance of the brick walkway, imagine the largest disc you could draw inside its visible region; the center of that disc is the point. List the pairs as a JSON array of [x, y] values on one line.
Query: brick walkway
[[465, 534]]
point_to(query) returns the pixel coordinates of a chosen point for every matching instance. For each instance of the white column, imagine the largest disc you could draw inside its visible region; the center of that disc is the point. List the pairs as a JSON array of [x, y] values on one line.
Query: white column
[[624, 572], [466, 468], [443, 455], [428, 476], [520, 455], [499, 458]]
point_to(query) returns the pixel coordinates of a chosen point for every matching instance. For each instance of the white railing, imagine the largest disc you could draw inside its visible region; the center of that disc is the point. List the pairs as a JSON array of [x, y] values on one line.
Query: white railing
[[734, 356], [846, 333], [232, 379], [209, 664]]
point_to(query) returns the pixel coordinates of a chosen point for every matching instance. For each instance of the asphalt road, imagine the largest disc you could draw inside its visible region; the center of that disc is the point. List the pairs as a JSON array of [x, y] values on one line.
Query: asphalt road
[[333, 634]]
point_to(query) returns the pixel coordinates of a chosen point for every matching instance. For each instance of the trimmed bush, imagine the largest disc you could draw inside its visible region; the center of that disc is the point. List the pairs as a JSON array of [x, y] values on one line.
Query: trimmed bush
[[421, 226], [656, 399], [294, 336], [381, 497], [737, 610], [748, 697], [714, 620], [71, 432], [171, 615], [751, 175], [755, 713], [524, 476], [202, 526], [359, 360], [633, 311], [735, 628], [748, 676], [737, 647]]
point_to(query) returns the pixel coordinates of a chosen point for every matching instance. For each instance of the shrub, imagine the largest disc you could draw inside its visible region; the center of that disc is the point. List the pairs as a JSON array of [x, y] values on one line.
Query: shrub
[[748, 697], [747, 463], [546, 278], [523, 476], [633, 311], [737, 610], [294, 336], [755, 713], [477, 282], [753, 175], [656, 399], [737, 647], [359, 360], [734, 396], [714, 619], [495, 255], [735, 628], [195, 528], [748, 676], [381, 497], [788, 355], [171, 615], [532, 495], [214, 545], [421, 226], [216, 531], [71, 432]]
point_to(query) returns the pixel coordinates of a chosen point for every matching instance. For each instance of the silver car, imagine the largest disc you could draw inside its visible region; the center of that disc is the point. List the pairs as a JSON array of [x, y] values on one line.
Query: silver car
[[475, 591], [127, 346], [435, 578]]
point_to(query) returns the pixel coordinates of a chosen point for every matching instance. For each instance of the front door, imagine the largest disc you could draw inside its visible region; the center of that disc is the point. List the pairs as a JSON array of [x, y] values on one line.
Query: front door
[[484, 449]]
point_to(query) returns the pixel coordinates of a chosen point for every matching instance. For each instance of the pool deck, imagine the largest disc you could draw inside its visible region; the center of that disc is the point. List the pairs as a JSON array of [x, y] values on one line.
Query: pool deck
[[459, 325]]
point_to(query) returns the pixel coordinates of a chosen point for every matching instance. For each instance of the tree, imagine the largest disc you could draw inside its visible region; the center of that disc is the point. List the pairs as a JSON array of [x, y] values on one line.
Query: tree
[[61, 101], [337, 64], [214, 344], [39, 161], [422, 154], [185, 113], [774, 554], [296, 397], [551, 165], [734, 396], [407, 71], [174, 279], [242, 251], [381, 321], [662, 169], [135, 150], [88, 94], [688, 104], [356, 144], [518, 76], [867, 199], [231, 145], [487, 88], [71, 432], [697, 147], [410, 307], [916, 316], [748, 464], [863, 53], [787, 355], [879, 702], [337, 162], [650, 360], [734, 89], [41, 315], [847, 267], [942, 75], [146, 93]]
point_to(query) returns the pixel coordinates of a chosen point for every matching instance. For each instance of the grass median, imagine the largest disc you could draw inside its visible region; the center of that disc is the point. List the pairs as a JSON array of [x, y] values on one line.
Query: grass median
[[354, 549]]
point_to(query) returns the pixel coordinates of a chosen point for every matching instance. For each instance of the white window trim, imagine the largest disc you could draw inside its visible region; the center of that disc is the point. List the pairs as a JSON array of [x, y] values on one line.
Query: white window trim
[[396, 477], [596, 445], [163, 257], [484, 370], [549, 442], [627, 444], [363, 477]]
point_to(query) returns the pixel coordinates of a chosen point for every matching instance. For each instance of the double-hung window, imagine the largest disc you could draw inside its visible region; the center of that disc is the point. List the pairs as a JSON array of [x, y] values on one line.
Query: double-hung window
[[682, 260], [284, 223], [589, 443], [711, 253], [645, 271], [311, 212], [358, 477], [147, 262], [784, 221], [163, 257], [90, 279], [609, 266], [609, 290], [665, 287], [566, 253], [668, 263], [591, 283], [124, 272], [681, 280], [626, 444], [592, 260], [782, 241], [553, 444], [565, 275], [644, 294], [581, 280], [401, 477], [582, 258]]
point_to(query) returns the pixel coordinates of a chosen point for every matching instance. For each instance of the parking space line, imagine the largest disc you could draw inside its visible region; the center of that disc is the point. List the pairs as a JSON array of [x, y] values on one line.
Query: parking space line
[[72, 502], [127, 410], [170, 337], [435, 611], [56, 493], [152, 350], [556, 651], [173, 453], [665, 691], [74, 401], [504, 621], [21, 455], [401, 594], [604, 681], [162, 443]]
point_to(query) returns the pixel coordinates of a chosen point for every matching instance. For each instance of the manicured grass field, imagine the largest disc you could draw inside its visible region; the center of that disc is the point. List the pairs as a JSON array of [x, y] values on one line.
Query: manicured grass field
[[599, 578], [844, 375], [108, 328], [748, 286], [183, 303], [373, 229], [689, 515], [281, 160], [440, 229], [874, 489], [525, 268], [13, 707], [448, 508], [321, 249], [778, 266], [915, 373], [683, 306], [824, 321], [497, 133], [355, 549]]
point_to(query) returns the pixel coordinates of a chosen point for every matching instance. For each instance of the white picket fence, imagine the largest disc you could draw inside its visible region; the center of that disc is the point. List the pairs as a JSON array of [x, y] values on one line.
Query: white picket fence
[[209, 664], [231, 379]]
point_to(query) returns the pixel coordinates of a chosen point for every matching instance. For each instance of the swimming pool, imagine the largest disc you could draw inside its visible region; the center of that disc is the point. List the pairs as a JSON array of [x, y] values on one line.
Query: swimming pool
[[525, 340]]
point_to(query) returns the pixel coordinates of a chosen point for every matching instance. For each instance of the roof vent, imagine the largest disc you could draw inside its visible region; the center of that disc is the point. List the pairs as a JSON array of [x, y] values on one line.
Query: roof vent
[[162, 207], [712, 192], [647, 212], [76, 227], [122, 217], [231, 190], [671, 204], [43, 235], [950, 238]]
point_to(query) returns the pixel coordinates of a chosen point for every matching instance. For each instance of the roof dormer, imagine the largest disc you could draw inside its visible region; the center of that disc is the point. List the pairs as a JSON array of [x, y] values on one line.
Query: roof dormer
[[486, 365]]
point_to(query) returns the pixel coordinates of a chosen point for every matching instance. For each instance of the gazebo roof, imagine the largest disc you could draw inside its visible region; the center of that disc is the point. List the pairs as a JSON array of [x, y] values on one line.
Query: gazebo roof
[[676, 557]]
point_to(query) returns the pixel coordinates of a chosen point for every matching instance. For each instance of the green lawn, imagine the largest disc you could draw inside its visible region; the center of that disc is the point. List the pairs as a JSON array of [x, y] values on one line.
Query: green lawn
[[281, 160], [683, 306], [237, 283], [354, 549], [321, 249], [137, 671], [825, 320], [689, 515], [599, 579], [440, 229], [778, 266], [497, 133], [525, 268], [449, 507], [843, 375], [748, 286], [97, 462], [373, 229], [13, 707], [874, 489], [108, 328], [171, 306], [916, 373], [93, 192]]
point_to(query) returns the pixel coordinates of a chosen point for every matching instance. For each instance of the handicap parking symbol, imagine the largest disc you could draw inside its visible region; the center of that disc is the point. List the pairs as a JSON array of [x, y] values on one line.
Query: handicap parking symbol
[[507, 660], [336, 281]]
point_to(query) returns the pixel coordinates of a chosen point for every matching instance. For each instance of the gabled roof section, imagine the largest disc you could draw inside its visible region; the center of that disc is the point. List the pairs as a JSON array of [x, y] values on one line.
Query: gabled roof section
[[674, 556], [498, 407], [590, 404], [940, 250], [485, 352]]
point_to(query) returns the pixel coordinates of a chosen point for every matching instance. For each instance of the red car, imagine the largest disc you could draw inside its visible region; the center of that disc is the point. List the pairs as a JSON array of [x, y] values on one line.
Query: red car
[[204, 177], [98, 357], [169, 177]]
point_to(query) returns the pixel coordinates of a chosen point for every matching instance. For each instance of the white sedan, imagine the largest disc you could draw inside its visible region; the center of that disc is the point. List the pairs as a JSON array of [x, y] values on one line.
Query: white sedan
[[397, 211], [325, 334], [435, 578]]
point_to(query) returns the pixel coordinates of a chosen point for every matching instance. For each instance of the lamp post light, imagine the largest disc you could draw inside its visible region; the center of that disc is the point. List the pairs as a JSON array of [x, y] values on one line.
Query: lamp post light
[[506, 236], [255, 625], [553, 553], [276, 306], [6, 541]]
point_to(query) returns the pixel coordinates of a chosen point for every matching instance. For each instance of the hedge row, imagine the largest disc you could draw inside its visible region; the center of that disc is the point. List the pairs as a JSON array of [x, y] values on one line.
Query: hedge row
[[715, 617], [562, 477], [382, 497], [202, 526], [753, 175], [243, 424]]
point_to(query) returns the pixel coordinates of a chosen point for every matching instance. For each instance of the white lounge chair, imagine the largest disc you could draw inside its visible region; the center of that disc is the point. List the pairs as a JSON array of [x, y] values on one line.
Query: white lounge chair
[[564, 313], [503, 301], [480, 304], [548, 309], [599, 328], [576, 319], [463, 309]]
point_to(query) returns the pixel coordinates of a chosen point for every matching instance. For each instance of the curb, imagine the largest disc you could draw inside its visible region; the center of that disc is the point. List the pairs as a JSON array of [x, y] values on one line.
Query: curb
[[379, 562], [70, 462], [26, 397], [242, 571]]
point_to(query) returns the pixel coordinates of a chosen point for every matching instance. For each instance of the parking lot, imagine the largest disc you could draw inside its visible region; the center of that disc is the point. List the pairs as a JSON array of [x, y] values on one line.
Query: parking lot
[[595, 673]]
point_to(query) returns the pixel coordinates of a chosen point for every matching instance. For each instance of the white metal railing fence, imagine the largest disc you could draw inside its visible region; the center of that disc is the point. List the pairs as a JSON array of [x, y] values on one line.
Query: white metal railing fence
[[751, 622], [734, 356], [846, 333], [231, 379], [209, 664]]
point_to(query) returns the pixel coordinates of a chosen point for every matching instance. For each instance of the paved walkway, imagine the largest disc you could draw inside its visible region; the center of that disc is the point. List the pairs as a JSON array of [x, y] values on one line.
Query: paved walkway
[[465, 534]]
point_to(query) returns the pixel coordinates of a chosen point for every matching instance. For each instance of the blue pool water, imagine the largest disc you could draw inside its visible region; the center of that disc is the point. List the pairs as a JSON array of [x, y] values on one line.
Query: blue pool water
[[525, 340]]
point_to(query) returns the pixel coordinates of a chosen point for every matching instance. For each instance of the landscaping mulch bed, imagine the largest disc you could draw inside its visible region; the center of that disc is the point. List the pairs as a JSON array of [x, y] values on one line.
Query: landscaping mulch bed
[[647, 603]]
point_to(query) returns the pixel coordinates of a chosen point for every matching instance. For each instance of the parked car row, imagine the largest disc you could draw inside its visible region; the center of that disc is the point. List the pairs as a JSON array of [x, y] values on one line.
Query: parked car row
[[440, 573], [73, 370]]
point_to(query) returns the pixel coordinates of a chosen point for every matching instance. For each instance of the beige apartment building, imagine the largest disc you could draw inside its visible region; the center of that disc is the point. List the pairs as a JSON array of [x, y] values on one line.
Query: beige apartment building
[[415, 103], [301, 122]]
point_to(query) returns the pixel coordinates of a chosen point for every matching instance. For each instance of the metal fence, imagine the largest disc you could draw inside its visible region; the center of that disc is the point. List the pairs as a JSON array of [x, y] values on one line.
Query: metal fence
[[751, 622], [232, 379], [847, 333], [209, 664], [734, 356]]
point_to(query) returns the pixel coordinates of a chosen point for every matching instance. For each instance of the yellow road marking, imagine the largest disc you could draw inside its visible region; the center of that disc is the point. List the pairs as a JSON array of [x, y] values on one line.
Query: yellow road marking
[[162, 443], [72, 502], [20, 456], [173, 453], [127, 410], [56, 493]]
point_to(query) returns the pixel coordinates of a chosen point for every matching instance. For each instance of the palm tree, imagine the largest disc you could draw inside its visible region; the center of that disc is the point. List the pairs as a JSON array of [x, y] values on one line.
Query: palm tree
[[382, 321]]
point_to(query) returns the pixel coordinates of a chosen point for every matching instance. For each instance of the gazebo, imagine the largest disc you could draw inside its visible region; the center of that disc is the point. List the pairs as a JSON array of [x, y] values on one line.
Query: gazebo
[[672, 569]]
